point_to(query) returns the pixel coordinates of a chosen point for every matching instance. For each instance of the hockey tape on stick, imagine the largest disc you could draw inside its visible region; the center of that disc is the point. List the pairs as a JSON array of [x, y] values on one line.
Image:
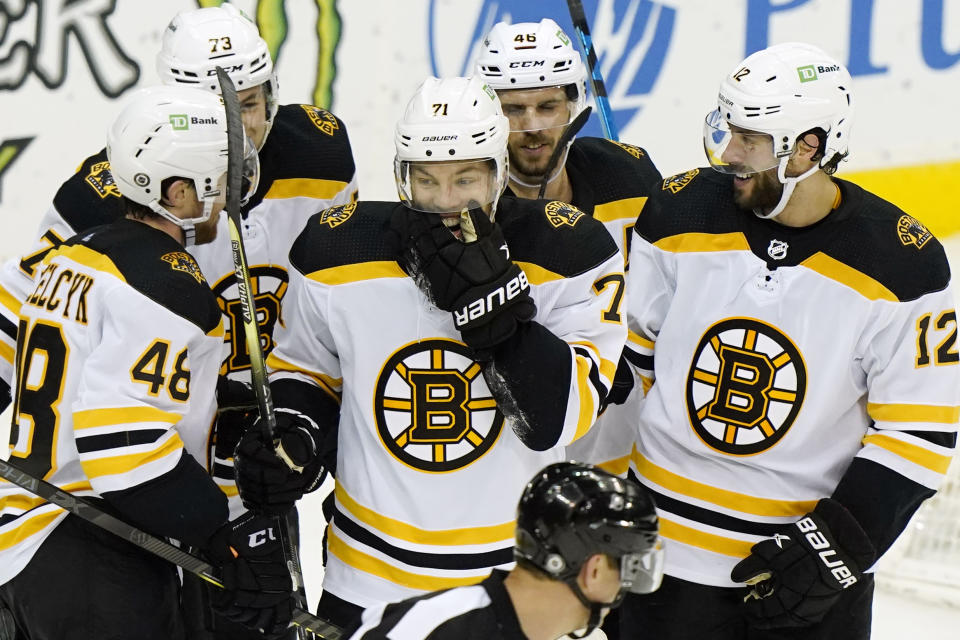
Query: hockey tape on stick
[[258, 370], [188, 562], [580, 25], [572, 129]]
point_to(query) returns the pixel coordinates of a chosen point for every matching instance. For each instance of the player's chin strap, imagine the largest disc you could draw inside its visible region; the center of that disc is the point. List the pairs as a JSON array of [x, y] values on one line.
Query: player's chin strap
[[596, 608], [188, 225], [789, 184]]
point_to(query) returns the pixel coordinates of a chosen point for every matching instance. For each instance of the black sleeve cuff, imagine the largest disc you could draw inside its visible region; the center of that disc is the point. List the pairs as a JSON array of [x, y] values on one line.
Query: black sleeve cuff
[[530, 379], [881, 500], [183, 503]]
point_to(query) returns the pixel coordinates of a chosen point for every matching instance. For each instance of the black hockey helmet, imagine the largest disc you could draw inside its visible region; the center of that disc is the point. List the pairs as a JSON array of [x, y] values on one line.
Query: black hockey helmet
[[571, 511]]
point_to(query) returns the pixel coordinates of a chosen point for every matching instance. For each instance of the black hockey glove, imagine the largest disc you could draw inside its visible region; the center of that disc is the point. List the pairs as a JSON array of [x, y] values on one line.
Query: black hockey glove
[[269, 484], [258, 591], [236, 412], [795, 577], [487, 293]]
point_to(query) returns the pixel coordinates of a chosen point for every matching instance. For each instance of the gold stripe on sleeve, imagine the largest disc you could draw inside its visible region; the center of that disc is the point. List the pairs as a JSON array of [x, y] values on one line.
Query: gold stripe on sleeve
[[917, 455], [913, 413], [305, 188]]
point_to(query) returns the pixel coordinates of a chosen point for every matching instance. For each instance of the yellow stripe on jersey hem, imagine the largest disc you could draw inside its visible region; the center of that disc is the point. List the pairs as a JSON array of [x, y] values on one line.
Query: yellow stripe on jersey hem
[[10, 301], [703, 242], [122, 415], [7, 352], [915, 454], [329, 384], [35, 523], [89, 258], [638, 339], [305, 188], [348, 273], [585, 393], [617, 466], [29, 527], [720, 497], [846, 275], [913, 413], [628, 208], [537, 274], [497, 533], [114, 465], [375, 566], [709, 541]]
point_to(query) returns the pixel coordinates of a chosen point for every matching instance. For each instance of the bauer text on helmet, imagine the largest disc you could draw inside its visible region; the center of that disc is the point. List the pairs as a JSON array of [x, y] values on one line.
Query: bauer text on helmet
[[777, 98], [451, 148], [197, 41]]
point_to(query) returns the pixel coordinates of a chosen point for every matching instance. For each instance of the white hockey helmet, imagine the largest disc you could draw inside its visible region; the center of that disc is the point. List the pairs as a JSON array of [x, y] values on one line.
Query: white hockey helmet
[[784, 91], [533, 55], [174, 132], [197, 41], [452, 120]]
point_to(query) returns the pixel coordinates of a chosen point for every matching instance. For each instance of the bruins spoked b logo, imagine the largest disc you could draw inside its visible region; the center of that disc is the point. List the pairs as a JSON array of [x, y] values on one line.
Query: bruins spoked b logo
[[745, 387], [433, 409]]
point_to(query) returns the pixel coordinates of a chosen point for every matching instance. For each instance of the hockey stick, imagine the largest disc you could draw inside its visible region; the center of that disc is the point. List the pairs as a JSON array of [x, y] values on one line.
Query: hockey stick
[[93, 514], [580, 25], [251, 330], [572, 129]]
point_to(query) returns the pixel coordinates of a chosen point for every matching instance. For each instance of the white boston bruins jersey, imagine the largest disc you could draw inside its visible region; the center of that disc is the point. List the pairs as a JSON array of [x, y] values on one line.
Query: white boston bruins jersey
[[430, 467], [790, 363], [119, 352], [611, 181], [306, 166]]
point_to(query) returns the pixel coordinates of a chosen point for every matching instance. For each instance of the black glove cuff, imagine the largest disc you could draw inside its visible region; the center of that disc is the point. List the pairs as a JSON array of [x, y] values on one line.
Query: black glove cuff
[[845, 529], [481, 304]]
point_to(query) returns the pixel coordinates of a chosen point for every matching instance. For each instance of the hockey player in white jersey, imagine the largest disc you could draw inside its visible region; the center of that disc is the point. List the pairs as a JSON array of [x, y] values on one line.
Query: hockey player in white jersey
[[451, 344], [541, 81], [119, 348], [807, 386], [306, 164], [584, 539]]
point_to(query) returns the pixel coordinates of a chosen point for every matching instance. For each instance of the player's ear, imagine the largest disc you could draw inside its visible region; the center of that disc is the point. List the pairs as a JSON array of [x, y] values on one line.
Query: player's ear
[[176, 192]]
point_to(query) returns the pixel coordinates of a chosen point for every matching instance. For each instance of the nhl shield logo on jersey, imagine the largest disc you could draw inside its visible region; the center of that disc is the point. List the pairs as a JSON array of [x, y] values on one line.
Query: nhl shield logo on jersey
[[335, 216], [745, 386], [101, 180], [561, 213], [321, 119], [182, 261], [674, 184], [912, 232], [433, 409]]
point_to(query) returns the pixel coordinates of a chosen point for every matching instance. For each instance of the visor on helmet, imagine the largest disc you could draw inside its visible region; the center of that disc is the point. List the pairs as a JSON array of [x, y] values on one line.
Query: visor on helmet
[[642, 572], [737, 152], [448, 187]]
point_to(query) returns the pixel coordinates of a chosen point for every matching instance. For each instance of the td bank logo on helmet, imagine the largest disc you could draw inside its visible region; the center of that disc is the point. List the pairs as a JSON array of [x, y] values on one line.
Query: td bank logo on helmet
[[181, 121], [811, 72], [638, 43]]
